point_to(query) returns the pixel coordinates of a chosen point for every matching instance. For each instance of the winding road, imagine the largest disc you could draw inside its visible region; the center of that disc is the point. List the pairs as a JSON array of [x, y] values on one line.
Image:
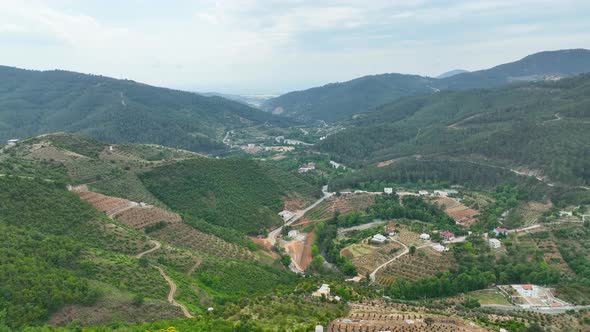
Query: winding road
[[272, 236], [405, 251], [157, 245], [172, 292]]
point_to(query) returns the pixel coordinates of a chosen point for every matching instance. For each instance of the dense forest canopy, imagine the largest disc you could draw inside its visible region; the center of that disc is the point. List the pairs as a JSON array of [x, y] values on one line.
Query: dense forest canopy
[[541, 126]]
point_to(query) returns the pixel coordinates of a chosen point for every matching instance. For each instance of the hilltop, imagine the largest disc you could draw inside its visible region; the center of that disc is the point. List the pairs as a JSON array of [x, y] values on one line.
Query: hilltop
[[340, 101]]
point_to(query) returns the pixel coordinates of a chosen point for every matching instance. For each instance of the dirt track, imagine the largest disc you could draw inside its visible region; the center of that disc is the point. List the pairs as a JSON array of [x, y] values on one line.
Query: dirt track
[[172, 292]]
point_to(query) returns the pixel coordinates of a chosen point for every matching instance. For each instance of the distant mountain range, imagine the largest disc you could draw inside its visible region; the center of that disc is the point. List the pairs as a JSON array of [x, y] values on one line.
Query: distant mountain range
[[339, 101], [36, 102], [452, 73]]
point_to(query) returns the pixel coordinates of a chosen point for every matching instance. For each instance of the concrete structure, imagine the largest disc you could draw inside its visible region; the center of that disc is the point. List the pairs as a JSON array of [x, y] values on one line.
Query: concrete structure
[[378, 238], [500, 231], [286, 215], [319, 328], [441, 193], [440, 248], [424, 237], [423, 192], [447, 236], [495, 243], [323, 290], [566, 213], [12, 142], [293, 233], [388, 190]]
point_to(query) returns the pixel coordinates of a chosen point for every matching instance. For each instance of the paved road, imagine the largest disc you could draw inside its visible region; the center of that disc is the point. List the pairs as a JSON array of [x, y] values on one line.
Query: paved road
[[172, 292], [405, 251], [272, 236], [361, 227], [543, 310], [157, 245]]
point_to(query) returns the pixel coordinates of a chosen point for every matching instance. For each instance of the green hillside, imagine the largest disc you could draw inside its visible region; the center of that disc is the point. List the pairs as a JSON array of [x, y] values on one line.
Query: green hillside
[[340, 101], [117, 111], [233, 193], [539, 126]]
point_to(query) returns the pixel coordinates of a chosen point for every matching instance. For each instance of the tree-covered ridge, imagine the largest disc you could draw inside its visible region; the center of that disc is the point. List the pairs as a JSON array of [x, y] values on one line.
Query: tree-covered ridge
[[340, 101], [117, 111], [233, 193], [540, 126]]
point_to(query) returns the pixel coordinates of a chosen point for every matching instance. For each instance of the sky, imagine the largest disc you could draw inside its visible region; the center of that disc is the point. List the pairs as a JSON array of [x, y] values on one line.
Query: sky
[[270, 47]]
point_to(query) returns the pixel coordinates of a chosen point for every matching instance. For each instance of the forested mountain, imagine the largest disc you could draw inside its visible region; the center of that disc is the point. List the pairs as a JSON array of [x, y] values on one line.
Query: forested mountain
[[540, 126], [117, 111], [538, 66], [339, 101]]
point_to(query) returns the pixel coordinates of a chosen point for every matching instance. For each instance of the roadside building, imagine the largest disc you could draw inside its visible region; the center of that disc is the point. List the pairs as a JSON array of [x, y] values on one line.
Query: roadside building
[[286, 215], [441, 193], [495, 243], [12, 142], [447, 236], [500, 231], [306, 168], [565, 213], [423, 192], [388, 190], [424, 237], [440, 248], [390, 231]]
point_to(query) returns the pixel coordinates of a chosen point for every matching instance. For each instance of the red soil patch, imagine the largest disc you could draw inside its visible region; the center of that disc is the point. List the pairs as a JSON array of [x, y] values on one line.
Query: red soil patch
[[306, 255]]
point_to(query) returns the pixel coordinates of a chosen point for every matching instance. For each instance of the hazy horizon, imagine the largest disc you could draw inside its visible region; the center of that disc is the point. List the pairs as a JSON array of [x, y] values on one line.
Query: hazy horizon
[[270, 47]]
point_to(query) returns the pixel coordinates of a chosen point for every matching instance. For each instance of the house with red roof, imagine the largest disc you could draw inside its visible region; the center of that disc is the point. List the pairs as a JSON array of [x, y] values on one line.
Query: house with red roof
[[447, 236], [500, 231]]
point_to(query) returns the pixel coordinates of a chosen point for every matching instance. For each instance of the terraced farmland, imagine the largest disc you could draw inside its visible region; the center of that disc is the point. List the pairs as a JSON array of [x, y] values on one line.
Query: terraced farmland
[[462, 214], [424, 263], [141, 217], [380, 254], [185, 236], [128, 186], [379, 316], [108, 204], [345, 203]]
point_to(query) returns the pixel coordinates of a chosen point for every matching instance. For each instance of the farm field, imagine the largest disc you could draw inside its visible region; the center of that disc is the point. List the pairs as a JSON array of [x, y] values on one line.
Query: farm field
[[489, 296], [141, 217], [185, 236], [343, 204], [126, 185], [108, 204], [380, 316], [424, 263], [462, 214], [544, 243], [367, 257]]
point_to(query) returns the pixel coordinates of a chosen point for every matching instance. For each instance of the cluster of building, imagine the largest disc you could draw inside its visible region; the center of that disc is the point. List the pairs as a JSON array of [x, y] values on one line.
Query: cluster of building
[[380, 238], [438, 193]]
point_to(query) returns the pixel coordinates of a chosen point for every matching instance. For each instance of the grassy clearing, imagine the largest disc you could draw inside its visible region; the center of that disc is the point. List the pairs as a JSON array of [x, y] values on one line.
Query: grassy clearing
[[489, 296]]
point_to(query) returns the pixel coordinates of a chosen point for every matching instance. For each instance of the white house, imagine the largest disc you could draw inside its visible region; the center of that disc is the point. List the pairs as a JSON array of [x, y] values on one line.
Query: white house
[[12, 142], [500, 231], [423, 192], [441, 193], [495, 243], [440, 248], [323, 290], [286, 215], [424, 237], [378, 238], [388, 190], [565, 213], [293, 233]]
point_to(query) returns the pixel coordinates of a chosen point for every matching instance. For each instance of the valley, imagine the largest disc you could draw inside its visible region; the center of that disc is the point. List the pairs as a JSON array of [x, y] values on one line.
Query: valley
[[387, 203]]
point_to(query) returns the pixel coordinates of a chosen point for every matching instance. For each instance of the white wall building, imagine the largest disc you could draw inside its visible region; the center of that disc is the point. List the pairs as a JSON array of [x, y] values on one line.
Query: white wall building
[[495, 243], [424, 237], [286, 215], [378, 238], [388, 190]]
